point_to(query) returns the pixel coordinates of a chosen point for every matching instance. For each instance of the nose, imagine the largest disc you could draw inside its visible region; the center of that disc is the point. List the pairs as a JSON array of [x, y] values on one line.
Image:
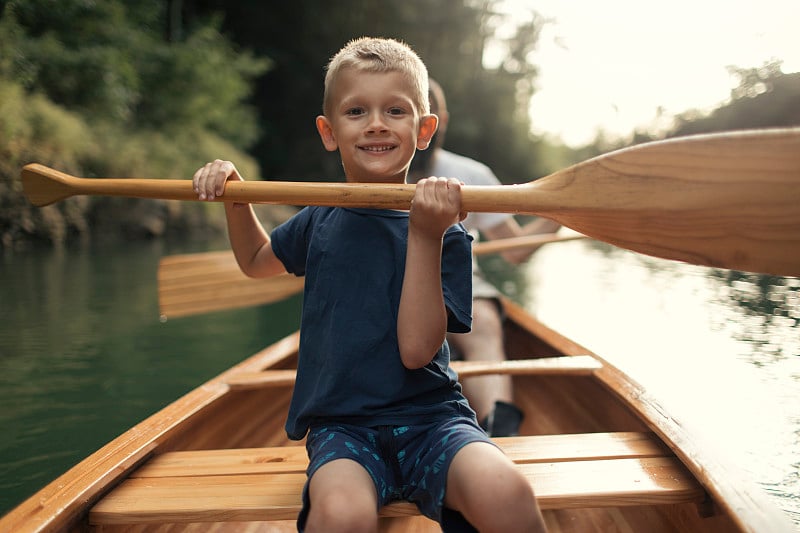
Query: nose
[[376, 123]]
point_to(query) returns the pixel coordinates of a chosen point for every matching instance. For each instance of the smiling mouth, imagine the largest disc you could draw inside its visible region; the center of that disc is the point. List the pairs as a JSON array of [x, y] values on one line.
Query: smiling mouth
[[377, 149]]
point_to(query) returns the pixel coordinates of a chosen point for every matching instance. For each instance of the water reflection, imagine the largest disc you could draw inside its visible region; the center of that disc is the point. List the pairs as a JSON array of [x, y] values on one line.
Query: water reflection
[[770, 309], [719, 349], [83, 355], [761, 311]]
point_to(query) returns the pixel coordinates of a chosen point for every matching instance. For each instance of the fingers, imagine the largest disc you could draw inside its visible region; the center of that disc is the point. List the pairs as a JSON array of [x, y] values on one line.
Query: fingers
[[209, 180], [442, 192], [437, 203]]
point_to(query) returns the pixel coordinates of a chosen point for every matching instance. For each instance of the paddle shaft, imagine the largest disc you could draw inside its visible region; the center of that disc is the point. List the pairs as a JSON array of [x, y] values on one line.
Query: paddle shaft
[[378, 196], [521, 243], [730, 200]]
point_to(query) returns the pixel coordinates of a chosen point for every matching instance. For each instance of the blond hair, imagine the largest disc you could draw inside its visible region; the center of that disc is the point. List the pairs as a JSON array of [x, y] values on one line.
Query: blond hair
[[371, 54]]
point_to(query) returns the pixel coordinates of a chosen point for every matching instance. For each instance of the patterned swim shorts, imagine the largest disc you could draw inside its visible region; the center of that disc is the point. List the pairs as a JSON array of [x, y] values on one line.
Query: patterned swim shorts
[[404, 462]]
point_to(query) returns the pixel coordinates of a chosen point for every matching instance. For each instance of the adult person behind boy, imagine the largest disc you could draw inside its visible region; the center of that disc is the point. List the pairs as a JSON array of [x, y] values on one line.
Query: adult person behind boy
[[383, 412], [490, 396]]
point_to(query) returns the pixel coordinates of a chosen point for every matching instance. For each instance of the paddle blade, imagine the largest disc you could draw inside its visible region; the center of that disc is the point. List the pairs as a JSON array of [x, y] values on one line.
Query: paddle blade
[[44, 186], [191, 284], [729, 200]]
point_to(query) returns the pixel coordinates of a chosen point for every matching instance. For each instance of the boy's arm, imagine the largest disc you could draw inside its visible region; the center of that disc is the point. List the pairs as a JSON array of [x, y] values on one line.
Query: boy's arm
[[249, 242], [422, 318]]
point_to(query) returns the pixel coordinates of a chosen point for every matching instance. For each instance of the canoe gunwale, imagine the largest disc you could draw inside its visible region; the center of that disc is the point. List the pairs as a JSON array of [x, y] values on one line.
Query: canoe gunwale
[[64, 504], [730, 493]]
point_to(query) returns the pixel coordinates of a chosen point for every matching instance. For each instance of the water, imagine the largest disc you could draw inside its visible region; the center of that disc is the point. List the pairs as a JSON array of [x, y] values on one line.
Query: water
[[83, 355], [719, 349]]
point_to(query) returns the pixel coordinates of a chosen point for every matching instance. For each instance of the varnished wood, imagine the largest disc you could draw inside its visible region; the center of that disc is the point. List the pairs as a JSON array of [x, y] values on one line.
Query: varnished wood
[[190, 284], [596, 405], [729, 200], [565, 366], [730, 492], [521, 243], [264, 494], [293, 459]]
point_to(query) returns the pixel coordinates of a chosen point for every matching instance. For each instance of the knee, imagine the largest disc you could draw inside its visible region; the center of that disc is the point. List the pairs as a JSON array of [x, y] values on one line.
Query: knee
[[513, 499], [522, 491], [521, 508], [341, 513]]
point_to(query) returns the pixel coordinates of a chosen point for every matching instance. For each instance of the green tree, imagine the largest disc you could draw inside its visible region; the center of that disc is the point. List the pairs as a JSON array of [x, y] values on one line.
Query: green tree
[[488, 104], [765, 97], [160, 86], [107, 91]]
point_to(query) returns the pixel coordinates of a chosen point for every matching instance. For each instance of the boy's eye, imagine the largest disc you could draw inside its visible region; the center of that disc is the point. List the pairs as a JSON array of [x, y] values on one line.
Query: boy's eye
[[397, 111], [354, 111]]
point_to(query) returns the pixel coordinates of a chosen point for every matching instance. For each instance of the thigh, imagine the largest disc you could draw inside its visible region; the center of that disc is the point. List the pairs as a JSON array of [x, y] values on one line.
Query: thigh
[[479, 474], [488, 489], [341, 442], [429, 453], [343, 478], [340, 497]]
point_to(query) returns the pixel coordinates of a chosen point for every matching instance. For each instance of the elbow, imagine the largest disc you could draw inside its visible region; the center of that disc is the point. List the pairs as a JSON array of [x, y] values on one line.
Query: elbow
[[249, 271], [416, 355], [415, 362]]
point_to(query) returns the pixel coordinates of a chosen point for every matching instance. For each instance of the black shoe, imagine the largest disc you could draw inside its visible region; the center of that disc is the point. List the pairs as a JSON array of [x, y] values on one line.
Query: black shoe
[[503, 421]]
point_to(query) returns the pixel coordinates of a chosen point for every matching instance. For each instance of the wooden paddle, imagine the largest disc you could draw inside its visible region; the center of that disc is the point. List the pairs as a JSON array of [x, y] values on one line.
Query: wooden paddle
[[190, 284], [727, 200], [518, 243]]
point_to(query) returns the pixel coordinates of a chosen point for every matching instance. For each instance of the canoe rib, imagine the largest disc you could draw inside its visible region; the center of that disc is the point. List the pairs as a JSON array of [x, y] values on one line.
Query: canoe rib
[[567, 471]]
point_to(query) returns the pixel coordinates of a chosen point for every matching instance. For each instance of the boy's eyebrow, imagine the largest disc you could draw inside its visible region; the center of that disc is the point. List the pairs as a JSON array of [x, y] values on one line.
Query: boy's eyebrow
[[387, 99]]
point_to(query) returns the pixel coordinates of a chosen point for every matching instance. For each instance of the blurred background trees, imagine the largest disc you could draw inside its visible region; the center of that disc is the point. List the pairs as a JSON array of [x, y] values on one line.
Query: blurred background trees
[[104, 89], [154, 88]]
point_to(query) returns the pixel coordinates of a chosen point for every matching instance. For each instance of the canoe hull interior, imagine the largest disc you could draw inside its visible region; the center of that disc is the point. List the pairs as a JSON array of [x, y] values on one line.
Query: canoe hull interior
[[215, 416]]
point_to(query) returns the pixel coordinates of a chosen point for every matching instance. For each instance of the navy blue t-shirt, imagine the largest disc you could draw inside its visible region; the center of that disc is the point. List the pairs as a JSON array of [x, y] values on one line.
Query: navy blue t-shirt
[[349, 368]]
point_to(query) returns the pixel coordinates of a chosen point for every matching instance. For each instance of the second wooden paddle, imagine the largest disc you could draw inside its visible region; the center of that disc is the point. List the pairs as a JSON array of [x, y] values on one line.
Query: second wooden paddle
[[190, 284]]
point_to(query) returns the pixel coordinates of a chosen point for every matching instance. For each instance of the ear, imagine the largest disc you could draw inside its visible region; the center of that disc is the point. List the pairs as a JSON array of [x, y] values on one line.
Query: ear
[[427, 127], [325, 130]]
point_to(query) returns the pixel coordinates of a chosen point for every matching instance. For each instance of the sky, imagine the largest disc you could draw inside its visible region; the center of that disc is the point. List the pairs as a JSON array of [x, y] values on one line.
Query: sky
[[617, 65]]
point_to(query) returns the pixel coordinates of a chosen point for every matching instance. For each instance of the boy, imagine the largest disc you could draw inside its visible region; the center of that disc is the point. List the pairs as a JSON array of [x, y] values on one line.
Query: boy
[[382, 411]]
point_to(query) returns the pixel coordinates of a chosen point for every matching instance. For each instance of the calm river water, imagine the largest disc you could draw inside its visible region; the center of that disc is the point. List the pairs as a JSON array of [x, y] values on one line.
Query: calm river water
[[83, 355]]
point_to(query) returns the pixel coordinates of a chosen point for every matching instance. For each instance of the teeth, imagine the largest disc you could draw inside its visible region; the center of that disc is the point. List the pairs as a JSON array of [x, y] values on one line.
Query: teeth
[[377, 148]]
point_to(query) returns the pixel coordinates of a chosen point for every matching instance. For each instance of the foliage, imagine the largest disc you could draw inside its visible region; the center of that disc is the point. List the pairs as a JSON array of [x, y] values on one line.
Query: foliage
[[97, 89], [487, 103], [154, 88], [765, 97], [34, 129]]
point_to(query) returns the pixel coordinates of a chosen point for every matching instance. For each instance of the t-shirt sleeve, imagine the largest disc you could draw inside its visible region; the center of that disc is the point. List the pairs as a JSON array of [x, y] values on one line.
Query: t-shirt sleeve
[[290, 241], [457, 279]]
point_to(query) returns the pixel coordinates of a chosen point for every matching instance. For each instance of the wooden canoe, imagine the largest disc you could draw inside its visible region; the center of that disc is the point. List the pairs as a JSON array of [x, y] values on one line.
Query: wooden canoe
[[602, 454]]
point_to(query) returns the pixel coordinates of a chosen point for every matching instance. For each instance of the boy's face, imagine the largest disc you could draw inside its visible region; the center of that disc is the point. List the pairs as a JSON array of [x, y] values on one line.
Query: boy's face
[[375, 125]]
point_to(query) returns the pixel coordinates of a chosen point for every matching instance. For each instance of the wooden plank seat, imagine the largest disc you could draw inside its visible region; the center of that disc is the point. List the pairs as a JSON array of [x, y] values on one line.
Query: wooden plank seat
[[579, 365], [264, 484]]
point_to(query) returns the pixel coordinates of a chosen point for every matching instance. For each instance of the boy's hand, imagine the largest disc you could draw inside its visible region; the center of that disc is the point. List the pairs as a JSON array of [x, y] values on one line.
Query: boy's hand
[[209, 180], [436, 206]]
